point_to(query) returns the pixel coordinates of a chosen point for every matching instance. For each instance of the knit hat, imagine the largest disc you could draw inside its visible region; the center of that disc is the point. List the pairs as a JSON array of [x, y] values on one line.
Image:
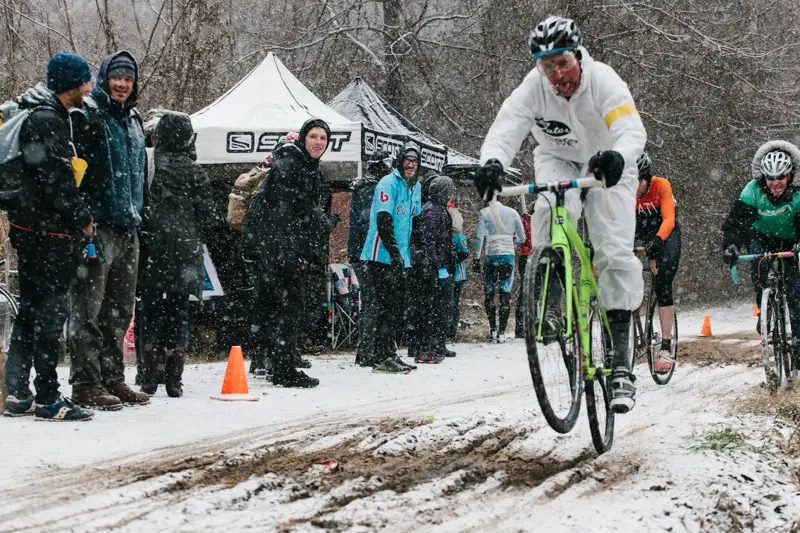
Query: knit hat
[[67, 71], [409, 150], [121, 65]]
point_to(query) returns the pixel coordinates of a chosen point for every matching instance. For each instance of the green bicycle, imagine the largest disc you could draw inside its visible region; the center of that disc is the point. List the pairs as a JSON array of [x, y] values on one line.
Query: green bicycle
[[574, 359]]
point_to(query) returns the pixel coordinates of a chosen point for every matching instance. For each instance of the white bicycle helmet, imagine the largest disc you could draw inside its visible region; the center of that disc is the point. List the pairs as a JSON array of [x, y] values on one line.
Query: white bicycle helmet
[[776, 163], [554, 34]]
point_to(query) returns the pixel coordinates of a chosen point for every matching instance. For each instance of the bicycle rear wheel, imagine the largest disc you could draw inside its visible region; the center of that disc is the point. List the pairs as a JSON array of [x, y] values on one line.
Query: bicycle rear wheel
[[553, 362], [598, 399], [654, 338], [773, 335]]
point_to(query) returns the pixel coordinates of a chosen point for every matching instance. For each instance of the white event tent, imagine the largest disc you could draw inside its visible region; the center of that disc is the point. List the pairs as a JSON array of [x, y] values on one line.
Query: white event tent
[[244, 124]]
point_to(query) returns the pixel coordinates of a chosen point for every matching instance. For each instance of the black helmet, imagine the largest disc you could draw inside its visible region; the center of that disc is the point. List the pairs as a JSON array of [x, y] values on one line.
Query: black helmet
[[554, 34], [380, 162], [645, 166]]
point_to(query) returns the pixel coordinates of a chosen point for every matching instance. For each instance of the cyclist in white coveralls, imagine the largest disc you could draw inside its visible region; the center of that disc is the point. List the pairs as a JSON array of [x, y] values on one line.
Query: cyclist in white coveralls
[[580, 112]]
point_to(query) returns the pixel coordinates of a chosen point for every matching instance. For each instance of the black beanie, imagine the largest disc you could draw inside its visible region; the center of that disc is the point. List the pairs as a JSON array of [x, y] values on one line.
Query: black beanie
[[67, 71], [308, 126], [121, 65]]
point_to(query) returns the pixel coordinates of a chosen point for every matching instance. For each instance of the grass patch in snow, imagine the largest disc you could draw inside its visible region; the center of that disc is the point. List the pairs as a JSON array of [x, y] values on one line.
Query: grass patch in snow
[[784, 403], [723, 439]]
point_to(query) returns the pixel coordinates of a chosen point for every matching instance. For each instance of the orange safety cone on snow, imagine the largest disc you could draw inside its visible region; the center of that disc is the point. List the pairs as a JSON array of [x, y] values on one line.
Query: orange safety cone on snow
[[234, 386], [756, 310], [706, 329]]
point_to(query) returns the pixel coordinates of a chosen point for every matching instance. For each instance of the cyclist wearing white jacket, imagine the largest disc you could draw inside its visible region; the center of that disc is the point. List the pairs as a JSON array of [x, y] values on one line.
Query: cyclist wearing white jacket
[[580, 112]]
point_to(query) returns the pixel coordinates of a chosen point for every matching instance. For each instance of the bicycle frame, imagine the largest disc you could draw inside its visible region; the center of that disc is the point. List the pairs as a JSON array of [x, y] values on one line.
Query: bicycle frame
[[564, 238]]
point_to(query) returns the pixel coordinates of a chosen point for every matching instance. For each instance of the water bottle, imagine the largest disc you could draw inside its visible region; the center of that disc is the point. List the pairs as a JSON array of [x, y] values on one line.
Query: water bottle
[[90, 251]]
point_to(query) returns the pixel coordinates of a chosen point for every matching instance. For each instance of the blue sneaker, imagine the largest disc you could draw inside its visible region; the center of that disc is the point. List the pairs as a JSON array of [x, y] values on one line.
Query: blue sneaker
[[63, 410], [16, 407]]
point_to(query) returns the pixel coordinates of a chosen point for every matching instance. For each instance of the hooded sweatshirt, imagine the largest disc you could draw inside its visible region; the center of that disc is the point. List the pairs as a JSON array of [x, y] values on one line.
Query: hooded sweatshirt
[[110, 137], [284, 219], [50, 202], [438, 224], [179, 209]]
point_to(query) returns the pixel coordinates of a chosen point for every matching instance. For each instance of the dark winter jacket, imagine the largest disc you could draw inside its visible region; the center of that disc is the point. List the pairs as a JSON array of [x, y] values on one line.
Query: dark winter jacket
[[438, 225], [109, 136], [179, 209], [50, 201], [757, 210], [360, 206], [285, 218]]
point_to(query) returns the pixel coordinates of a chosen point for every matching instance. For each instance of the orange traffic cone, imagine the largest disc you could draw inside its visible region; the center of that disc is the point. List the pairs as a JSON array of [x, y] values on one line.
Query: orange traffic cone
[[706, 330], [756, 310], [234, 386]]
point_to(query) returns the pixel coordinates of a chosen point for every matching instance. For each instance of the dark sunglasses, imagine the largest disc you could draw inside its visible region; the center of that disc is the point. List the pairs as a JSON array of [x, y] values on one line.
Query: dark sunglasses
[[774, 178]]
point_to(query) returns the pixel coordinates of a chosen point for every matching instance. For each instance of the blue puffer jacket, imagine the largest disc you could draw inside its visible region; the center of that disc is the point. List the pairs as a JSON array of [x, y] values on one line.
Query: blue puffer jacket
[[109, 136]]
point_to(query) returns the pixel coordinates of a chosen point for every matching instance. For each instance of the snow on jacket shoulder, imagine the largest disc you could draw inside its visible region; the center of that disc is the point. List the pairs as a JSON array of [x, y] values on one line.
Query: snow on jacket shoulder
[[601, 115]]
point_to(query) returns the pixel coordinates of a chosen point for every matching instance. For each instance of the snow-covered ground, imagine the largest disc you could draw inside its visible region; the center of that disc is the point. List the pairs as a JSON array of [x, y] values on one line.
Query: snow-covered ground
[[459, 446]]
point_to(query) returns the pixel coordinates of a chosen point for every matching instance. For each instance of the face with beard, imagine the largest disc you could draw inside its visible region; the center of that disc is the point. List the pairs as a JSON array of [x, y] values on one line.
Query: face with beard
[[74, 97]]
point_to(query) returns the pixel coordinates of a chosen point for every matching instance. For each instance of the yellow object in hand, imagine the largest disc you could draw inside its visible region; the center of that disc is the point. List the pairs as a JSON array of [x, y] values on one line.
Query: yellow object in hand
[[79, 167]]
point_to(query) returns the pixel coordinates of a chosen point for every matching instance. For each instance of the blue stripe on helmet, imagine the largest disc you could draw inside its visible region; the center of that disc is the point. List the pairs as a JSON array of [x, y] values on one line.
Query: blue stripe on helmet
[[543, 53]]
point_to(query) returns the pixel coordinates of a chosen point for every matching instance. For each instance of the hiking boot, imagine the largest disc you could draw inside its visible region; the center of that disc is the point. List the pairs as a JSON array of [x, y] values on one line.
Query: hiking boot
[[62, 410], [429, 358], [501, 338], [443, 351], [390, 366], [127, 395], [664, 361], [623, 392], [295, 379], [16, 407], [148, 388], [174, 390], [400, 362], [95, 397]]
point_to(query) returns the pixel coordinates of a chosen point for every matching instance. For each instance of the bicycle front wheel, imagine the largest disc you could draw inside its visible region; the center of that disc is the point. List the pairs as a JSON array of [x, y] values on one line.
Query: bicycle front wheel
[[552, 354], [773, 337], [598, 399], [655, 336]]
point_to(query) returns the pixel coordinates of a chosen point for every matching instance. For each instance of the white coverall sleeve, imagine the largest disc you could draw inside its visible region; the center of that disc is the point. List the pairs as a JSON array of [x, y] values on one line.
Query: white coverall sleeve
[[480, 235], [513, 123], [620, 114]]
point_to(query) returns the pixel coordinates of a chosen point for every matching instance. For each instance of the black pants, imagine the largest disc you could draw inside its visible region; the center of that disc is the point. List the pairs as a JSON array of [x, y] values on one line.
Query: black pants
[[419, 287], [46, 268], [441, 318], [388, 308], [759, 244], [313, 328], [368, 313], [519, 328], [457, 286], [165, 327], [276, 315], [667, 265]]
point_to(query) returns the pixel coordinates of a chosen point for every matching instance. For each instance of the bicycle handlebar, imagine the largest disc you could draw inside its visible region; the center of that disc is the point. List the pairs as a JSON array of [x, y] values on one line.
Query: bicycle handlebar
[[754, 257], [551, 186]]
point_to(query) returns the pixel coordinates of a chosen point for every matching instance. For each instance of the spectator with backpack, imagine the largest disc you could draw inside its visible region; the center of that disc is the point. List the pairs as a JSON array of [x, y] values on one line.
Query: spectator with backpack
[[109, 135], [281, 225], [360, 205], [177, 212], [44, 218]]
